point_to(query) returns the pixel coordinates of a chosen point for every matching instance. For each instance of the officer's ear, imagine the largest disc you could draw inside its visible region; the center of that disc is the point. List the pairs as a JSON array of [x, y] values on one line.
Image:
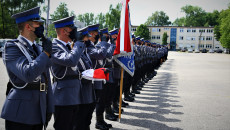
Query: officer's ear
[[28, 26]]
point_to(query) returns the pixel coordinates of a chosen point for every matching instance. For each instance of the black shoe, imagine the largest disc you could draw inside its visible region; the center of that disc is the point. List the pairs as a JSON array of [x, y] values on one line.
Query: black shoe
[[101, 126], [129, 99], [136, 91], [140, 85], [100, 123], [131, 94], [109, 112], [124, 103], [116, 110], [138, 88], [110, 117], [108, 125]]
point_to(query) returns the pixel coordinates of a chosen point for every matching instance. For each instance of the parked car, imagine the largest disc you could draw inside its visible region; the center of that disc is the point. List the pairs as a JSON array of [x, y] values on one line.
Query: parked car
[[204, 51], [183, 50], [211, 51], [190, 50], [219, 51], [226, 51], [197, 51]]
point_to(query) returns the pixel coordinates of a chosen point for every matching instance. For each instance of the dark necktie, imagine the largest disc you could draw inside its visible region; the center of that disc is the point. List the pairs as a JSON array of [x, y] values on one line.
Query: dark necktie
[[35, 49], [68, 46]]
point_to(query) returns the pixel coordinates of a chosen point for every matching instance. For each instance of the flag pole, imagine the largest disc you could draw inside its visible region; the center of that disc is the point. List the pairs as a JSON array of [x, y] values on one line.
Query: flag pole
[[121, 88]]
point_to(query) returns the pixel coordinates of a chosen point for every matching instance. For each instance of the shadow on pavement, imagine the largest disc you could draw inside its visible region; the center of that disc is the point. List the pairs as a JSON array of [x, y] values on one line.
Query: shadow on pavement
[[159, 98]]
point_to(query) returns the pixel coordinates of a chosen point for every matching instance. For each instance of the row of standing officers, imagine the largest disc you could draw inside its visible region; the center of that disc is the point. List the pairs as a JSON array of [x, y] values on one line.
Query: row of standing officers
[[32, 97]]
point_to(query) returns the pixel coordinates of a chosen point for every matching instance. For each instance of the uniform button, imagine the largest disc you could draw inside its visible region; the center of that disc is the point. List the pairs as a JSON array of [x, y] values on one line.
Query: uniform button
[[80, 46]]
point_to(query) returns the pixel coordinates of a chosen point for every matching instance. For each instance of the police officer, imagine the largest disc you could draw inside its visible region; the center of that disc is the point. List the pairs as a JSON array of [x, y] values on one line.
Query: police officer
[[116, 82], [67, 85], [88, 98], [111, 85], [30, 100], [128, 79], [102, 100], [97, 52], [138, 65], [137, 61]]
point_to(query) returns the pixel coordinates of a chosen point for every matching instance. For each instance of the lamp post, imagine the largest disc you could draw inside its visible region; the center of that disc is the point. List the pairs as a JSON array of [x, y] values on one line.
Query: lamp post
[[199, 40], [47, 20]]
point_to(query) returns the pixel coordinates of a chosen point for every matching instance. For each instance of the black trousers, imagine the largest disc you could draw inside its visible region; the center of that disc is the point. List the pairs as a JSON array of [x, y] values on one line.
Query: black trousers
[[127, 82], [9, 125], [100, 106], [110, 93], [65, 116], [136, 77], [84, 117], [116, 90]]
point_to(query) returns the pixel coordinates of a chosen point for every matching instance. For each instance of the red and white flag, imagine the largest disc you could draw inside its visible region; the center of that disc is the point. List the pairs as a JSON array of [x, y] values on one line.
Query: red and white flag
[[123, 45]]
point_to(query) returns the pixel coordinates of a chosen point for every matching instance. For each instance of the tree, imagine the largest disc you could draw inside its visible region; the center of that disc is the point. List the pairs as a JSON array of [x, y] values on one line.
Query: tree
[[100, 19], [143, 32], [179, 21], [195, 16], [212, 18], [87, 18], [164, 39], [112, 18], [10, 7], [225, 28], [217, 32], [60, 12], [158, 18]]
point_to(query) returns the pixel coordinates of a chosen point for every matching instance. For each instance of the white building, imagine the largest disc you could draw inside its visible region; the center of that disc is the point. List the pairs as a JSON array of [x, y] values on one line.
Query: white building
[[184, 37]]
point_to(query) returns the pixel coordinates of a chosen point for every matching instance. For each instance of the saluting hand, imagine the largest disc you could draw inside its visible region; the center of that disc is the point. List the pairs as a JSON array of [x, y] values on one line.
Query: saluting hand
[[47, 45]]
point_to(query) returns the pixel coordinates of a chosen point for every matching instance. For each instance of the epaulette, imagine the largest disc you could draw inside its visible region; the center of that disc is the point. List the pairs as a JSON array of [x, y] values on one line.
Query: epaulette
[[13, 40]]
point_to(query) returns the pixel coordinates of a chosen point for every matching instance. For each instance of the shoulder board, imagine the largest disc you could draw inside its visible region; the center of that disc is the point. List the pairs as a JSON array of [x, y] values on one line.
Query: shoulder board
[[13, 40]]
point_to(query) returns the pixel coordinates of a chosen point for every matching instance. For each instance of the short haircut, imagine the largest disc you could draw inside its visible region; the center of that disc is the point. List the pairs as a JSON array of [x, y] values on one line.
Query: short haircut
[[21, 26], [58, 31]]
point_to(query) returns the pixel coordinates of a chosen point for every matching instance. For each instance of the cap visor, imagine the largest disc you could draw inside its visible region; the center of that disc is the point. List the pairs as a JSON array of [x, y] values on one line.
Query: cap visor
[[39, 20]]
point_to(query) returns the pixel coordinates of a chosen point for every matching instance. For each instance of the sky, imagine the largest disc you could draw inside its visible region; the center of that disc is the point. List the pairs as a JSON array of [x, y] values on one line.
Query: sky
[[140, 10]]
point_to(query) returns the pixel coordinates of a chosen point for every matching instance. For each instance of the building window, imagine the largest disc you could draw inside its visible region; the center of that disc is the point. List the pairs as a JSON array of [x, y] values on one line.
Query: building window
[[202, 30], [181, 29], [158, 30], [209, 30], [209, 46], [202, 38], [208, 38], [134, 29], [156, 37], [154, 30], [193, 30], [166, 29], [189, 30], [181, 37], [201, 45], [193, 38]]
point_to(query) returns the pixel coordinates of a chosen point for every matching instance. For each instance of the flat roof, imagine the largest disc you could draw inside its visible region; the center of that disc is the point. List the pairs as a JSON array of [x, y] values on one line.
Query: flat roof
[[176, 26]]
